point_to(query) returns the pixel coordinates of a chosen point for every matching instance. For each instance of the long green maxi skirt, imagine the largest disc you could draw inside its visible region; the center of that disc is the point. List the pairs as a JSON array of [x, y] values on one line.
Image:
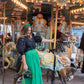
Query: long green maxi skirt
[[32, 60]]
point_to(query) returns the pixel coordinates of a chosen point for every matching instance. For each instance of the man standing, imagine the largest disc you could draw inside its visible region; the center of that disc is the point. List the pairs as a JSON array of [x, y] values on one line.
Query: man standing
[[82, 47]]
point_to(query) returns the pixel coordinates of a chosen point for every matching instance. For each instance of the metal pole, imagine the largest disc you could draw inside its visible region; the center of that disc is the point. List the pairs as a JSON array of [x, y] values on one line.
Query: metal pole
[[56, 16], [55, 33], [26, 14], [70, 22], [3, 41], [51, 27], [13, 33], [6, 31]]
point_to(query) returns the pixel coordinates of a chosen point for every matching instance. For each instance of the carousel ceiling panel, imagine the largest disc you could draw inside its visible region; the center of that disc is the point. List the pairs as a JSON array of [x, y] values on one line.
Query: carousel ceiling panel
[[60, 2], [18, 9], [11, 9], [1, 5]]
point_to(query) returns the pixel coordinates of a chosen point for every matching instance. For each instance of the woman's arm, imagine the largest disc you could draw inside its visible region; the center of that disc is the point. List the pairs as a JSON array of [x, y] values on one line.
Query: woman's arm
[[47, 40], [24, 62]]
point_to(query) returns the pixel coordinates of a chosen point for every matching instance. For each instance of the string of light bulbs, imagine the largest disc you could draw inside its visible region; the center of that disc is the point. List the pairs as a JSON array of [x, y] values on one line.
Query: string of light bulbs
[[20, 4], [77, 10]]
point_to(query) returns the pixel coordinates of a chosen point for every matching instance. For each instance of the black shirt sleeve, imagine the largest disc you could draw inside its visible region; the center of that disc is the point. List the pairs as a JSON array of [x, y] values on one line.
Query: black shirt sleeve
[[21, 46], [37, 38]]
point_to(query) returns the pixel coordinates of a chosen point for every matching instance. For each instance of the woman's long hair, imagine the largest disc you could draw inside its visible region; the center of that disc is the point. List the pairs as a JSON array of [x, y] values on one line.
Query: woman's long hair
[[24, 31]]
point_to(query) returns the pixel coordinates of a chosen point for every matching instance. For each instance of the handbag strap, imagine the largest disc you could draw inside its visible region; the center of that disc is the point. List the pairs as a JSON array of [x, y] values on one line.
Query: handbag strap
[[27, 71]]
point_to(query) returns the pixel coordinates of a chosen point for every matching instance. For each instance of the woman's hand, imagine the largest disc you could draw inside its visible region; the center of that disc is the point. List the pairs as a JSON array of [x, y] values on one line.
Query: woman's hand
[[26, 67], [47, 40], [52, 40]]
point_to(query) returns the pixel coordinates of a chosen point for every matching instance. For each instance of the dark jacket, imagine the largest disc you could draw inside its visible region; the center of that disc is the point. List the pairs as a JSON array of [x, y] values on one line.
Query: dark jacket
[[82, 43]]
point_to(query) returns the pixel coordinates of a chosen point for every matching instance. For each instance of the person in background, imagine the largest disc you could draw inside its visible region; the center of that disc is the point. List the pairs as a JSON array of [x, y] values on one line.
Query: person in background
[[30, 58], [82, 48], [59, 33], [9, 37]]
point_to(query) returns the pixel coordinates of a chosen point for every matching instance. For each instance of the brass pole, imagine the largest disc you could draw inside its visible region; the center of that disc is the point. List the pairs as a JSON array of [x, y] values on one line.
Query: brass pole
[[12, 29], [71, 1], [26, 14], [55, 34], [51, 25], [3, 41], [70, 22], [6, 31]]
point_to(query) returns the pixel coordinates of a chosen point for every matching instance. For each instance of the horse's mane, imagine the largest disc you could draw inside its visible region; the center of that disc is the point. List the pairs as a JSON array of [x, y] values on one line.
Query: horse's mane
[[61, 43]]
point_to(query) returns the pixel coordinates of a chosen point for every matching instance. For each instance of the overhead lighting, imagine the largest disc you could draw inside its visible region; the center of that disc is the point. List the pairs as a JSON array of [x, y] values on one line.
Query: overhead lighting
[[3, 17], [77, 10], [80, 23], [23, 22], [74, 10], [20, 4]]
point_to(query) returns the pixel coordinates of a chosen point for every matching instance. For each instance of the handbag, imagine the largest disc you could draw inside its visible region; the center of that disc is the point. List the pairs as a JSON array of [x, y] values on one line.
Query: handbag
[[27, 74]]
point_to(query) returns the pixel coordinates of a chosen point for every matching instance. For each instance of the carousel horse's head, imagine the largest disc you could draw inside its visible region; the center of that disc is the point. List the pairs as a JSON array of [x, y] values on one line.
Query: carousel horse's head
[[9, 47], [65, 42], [60, 47]]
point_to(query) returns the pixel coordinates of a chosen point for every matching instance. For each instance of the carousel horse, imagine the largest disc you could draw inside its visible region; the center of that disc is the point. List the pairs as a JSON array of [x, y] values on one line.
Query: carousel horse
[[8, 49], [71, 54], [62, 62]]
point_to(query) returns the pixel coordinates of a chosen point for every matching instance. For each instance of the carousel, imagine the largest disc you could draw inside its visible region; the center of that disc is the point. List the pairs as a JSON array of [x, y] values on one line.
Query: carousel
[[59, 58]]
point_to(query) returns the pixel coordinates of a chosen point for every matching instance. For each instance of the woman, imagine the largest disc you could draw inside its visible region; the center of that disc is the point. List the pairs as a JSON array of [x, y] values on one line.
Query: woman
[[30, 58]]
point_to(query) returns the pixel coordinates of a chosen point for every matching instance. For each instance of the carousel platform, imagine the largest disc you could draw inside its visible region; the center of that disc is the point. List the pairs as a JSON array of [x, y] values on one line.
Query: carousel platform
[[9, 75]]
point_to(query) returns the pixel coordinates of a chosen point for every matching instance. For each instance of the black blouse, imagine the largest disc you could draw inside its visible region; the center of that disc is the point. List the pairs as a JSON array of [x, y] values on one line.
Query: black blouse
[[24, 43]]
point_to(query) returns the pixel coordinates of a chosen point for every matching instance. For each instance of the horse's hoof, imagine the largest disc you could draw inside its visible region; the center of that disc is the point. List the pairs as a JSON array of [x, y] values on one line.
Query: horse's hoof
[[5, 67]]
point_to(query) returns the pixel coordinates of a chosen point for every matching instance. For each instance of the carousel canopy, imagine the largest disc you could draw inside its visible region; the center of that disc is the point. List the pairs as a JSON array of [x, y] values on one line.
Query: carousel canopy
[[15, 8]]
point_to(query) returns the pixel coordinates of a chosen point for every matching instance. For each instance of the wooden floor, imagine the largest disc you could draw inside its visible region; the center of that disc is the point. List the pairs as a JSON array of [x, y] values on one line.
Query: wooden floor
[[9, 75]]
